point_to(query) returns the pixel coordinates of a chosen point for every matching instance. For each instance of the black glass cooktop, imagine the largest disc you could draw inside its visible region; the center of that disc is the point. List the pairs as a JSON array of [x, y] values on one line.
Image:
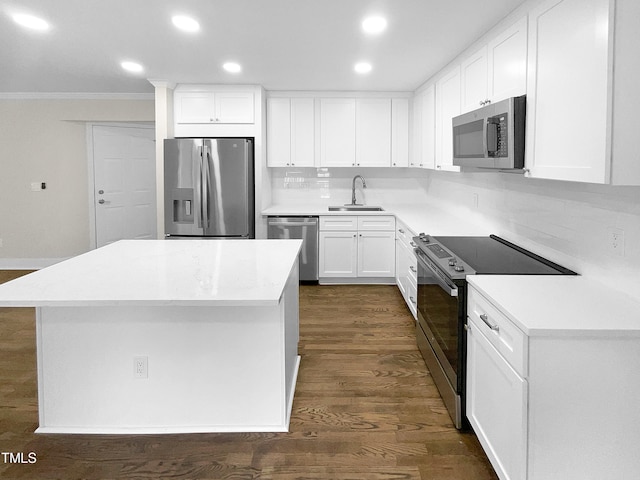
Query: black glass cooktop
[[494, 255]]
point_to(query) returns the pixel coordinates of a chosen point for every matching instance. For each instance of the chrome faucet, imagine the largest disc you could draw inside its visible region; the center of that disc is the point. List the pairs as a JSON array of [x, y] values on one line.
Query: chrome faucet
[[353, 188]]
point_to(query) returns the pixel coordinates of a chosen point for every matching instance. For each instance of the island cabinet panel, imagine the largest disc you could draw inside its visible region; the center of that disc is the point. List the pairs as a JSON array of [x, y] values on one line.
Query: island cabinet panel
[[208, 369]]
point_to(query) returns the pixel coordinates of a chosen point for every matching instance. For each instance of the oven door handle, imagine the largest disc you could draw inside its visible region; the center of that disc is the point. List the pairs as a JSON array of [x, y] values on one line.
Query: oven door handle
[[451, 290]]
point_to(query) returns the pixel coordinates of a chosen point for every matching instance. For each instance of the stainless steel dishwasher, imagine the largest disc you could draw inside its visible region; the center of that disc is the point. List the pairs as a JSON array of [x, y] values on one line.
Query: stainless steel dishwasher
[[306, 229]]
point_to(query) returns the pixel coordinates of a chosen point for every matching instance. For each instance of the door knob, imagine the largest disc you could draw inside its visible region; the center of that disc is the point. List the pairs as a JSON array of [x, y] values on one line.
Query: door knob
[[100, 192]]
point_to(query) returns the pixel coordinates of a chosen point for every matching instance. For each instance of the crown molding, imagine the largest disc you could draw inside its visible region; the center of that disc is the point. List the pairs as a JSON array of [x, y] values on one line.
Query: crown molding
[[74, 96]]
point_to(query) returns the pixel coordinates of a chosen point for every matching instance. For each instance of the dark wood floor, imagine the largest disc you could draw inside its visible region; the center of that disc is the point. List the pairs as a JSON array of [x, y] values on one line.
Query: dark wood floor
[[365, 408]]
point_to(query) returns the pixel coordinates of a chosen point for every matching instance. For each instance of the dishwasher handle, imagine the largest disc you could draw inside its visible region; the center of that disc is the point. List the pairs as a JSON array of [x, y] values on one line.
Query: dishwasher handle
[[288, 222]]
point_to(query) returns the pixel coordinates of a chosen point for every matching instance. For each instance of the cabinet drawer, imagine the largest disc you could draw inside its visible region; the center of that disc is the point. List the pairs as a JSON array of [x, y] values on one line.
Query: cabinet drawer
[[377, 222], [338, 223], [404, 234], [508, 339]]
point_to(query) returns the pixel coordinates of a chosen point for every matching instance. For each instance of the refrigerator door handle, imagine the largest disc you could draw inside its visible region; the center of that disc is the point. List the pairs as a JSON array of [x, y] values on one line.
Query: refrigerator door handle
[[205, 188], [198, 185]]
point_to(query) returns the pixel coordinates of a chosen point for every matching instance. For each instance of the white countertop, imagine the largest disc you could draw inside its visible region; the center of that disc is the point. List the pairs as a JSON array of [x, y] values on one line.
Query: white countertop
[[162, 272], [542, 305], [427, 218]]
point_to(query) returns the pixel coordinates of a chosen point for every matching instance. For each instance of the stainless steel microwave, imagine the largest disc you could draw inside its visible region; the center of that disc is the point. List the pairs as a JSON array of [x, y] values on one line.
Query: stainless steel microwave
[[492, 136]]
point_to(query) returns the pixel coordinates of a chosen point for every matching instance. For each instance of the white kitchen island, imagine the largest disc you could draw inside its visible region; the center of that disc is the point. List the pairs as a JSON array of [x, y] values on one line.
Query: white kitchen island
[[166, 336]]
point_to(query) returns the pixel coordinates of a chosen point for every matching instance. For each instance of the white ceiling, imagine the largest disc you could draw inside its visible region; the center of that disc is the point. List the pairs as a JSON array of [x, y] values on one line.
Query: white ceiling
[[281, 44]]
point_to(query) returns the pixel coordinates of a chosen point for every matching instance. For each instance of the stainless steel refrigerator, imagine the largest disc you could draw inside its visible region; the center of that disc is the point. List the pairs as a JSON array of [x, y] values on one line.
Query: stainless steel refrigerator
[[209, 187]]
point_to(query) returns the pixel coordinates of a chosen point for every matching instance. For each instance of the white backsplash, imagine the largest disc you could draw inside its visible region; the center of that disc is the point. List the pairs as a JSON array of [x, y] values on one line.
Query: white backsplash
[[332, 186], [569, 223]]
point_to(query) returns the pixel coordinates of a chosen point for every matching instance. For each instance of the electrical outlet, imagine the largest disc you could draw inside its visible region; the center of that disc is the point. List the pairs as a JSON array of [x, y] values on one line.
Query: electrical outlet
[[140, 367], [616, 241]]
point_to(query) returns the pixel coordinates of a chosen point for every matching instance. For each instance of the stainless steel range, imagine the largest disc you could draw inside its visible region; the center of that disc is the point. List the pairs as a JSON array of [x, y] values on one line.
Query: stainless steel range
[[443, 265]]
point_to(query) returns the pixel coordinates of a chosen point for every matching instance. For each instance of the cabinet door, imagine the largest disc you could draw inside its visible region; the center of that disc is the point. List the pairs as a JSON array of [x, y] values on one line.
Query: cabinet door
[[496, 406], [195, 107], [302, 132], [337, 132], [428, 129], [376, 254], [507, 63], [400, 132], [447, 107], [338, 254], [234, 107], [424, 129], [373, 132], [567, 97], [474, 81], [279, 132]]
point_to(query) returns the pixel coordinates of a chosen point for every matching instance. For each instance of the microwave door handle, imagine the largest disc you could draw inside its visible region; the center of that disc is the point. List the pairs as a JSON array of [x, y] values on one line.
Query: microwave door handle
[[491, 137]]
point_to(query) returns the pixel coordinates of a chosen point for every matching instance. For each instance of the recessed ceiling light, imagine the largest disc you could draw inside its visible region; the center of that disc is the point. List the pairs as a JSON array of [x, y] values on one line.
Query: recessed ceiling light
[[374, 25], [30, 22], [132, 67], [232, 67], [362, 67], [186, 24]]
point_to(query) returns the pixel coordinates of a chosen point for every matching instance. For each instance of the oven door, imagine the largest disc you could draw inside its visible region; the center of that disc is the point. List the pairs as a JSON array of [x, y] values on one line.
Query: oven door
[[440, 334]]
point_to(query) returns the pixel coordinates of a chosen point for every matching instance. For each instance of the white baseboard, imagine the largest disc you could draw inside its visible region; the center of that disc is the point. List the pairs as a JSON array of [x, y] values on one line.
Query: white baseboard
[[28, 263]]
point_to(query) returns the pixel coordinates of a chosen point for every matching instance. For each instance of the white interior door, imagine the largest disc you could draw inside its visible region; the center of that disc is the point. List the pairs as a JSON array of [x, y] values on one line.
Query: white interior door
[[124, 182]]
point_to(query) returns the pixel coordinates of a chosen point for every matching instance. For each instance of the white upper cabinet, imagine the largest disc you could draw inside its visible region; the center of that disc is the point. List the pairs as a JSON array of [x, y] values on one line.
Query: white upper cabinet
[[373, 132], [568, 97], [400, 132], [475, 80], [337, 132], [424, 128], [290, 132], [497, 70], [211, 106], [279, 132], [363, 132], [507, 63], [448, 105]]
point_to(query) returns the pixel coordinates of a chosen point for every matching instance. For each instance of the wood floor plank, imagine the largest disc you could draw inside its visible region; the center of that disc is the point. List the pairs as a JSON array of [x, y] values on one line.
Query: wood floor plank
[[365, 407]]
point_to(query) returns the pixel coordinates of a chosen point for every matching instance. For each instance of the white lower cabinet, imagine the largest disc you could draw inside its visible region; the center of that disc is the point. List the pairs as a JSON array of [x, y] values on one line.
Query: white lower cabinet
[[552, 405], [338, 254], [356, 247], [376, 254], [406, 267], [496, 405]]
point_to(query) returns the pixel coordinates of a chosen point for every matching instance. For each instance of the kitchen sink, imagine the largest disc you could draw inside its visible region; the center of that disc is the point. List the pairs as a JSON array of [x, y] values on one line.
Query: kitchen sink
[[356, 208]]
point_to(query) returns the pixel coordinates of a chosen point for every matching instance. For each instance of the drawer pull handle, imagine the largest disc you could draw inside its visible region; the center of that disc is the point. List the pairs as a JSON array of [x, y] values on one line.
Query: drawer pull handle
[[485, 319], [413, 269], [412, 300], [413, 244], [401, 230]]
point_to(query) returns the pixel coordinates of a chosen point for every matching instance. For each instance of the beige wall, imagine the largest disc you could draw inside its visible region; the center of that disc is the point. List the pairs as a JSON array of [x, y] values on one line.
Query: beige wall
[[45, 141]]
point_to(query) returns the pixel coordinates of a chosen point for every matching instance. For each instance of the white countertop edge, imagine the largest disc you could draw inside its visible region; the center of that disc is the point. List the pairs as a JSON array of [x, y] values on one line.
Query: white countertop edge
[[610, 296], [267, 302], [249, 285]]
